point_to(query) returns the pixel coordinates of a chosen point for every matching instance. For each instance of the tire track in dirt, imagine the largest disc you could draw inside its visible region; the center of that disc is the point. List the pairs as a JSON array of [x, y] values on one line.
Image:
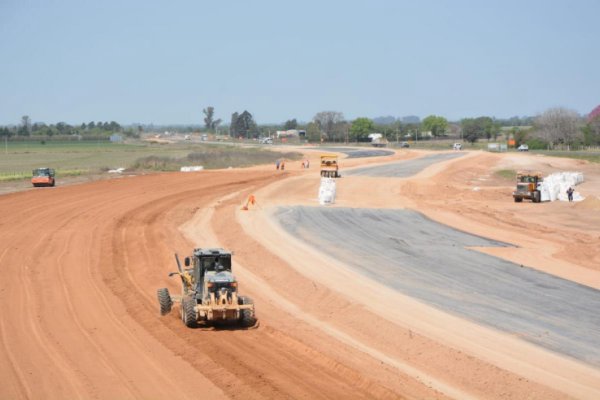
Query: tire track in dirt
[[230, 350]]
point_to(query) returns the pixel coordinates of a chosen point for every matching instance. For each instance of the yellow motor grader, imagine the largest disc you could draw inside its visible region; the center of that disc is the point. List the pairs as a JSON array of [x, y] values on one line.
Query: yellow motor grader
[[209, 291]]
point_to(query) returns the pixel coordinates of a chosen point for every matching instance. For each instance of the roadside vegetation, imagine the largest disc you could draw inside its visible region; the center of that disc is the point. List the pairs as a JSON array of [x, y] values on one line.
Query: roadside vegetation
[[18, 159], [506, 174], [214, 157]]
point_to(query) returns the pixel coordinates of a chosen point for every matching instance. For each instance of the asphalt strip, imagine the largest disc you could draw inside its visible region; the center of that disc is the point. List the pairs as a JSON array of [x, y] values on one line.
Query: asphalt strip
[[402, 169], [433, 263]]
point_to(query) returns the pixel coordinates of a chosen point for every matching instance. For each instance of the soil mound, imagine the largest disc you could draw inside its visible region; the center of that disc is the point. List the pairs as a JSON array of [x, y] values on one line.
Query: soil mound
[[589, 203]]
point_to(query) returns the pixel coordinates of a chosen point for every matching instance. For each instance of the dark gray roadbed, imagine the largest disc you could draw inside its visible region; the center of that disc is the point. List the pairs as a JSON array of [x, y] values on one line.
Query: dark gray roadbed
[[402, 169], [359, 153], [431, 262]]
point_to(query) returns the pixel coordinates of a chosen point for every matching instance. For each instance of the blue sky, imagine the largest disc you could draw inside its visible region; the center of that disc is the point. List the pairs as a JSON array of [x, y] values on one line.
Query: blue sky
[[164, 61]]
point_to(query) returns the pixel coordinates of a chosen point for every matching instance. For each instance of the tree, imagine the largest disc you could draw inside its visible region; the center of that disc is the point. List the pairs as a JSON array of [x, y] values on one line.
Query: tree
[[558, 125], [26, 124], [476, 128], [290, 124], [591, 132], [520, 135], [243, 125], [313, 132], [209, 122], [435, 124], [472, 129], [5, 132], [233, 123], [329, 122], [360, 128], [114, 126]]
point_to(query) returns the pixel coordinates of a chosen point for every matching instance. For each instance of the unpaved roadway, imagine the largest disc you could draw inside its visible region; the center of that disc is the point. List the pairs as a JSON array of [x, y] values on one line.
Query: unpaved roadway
[[80, 266]]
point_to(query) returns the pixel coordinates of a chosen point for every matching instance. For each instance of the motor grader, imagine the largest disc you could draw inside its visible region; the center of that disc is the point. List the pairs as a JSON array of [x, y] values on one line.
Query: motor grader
[[527, 186], [209, 291]]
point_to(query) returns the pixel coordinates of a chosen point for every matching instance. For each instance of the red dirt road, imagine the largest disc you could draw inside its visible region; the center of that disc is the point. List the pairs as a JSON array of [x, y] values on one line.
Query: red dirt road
[[79, 267]]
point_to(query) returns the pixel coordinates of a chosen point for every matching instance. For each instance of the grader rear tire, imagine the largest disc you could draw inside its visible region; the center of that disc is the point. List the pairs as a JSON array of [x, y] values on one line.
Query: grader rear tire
[[164, 299], [190, 318]]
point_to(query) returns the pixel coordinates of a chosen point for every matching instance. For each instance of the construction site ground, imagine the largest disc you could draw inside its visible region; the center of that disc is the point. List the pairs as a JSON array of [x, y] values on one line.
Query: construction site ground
[[423, 281]]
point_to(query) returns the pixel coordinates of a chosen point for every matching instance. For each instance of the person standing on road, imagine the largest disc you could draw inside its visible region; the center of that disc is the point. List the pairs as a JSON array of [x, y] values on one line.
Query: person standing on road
[[570, 193], [277, 164]]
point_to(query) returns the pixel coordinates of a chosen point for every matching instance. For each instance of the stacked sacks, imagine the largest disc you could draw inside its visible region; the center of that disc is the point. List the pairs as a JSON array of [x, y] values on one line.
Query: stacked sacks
[[327, 191], [192, 168], [554, 187]]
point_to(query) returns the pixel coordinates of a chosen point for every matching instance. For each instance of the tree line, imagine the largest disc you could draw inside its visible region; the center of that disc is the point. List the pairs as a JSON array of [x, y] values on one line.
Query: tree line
[[27, 128], [554, 127]]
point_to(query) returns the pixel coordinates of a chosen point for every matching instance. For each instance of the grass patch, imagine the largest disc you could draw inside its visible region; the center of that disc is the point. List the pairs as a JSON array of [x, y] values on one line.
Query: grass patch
[[82, 158], [13, 176], [214, 157], [506, 173], [591, 156], [71, 172]]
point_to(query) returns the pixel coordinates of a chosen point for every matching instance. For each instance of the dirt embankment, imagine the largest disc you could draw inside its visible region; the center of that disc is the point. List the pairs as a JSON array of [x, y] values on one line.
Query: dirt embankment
[[80, 266]]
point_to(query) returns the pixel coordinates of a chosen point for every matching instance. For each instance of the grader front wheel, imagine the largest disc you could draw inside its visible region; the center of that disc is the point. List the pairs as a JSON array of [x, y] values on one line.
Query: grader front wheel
[[247, 318]]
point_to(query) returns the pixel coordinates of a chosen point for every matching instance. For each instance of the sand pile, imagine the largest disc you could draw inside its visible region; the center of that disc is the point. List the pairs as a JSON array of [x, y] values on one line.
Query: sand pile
[[590, 203]]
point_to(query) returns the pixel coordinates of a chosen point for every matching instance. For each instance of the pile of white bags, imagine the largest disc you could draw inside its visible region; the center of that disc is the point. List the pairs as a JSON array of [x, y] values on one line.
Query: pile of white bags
[[555, 186], [327, 191], [192, 168]]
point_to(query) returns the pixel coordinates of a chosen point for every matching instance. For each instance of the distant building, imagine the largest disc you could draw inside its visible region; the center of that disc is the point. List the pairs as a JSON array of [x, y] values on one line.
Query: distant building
[[116, 138]]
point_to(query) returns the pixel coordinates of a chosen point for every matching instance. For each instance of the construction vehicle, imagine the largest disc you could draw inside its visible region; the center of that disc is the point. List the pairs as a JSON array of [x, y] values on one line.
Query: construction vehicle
[[378, 140], [43, 177], [209, 292], [329, 166], [528, 186]]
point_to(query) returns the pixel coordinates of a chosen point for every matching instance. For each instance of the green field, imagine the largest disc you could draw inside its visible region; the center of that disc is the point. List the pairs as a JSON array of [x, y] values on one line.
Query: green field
[[591, 156], [81, 158]]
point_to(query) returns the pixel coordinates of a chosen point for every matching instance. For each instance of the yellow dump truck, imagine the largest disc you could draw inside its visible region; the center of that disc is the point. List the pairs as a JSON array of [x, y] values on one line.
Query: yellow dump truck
[[329, 166], [527, 186]]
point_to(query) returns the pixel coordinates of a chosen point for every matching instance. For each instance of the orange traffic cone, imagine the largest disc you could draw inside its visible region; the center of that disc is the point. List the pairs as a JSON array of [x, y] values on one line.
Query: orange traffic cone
[[251, 201]]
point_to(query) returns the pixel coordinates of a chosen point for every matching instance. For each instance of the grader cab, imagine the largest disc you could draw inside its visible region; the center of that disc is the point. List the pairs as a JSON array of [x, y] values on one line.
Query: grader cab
[[209, 291]]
